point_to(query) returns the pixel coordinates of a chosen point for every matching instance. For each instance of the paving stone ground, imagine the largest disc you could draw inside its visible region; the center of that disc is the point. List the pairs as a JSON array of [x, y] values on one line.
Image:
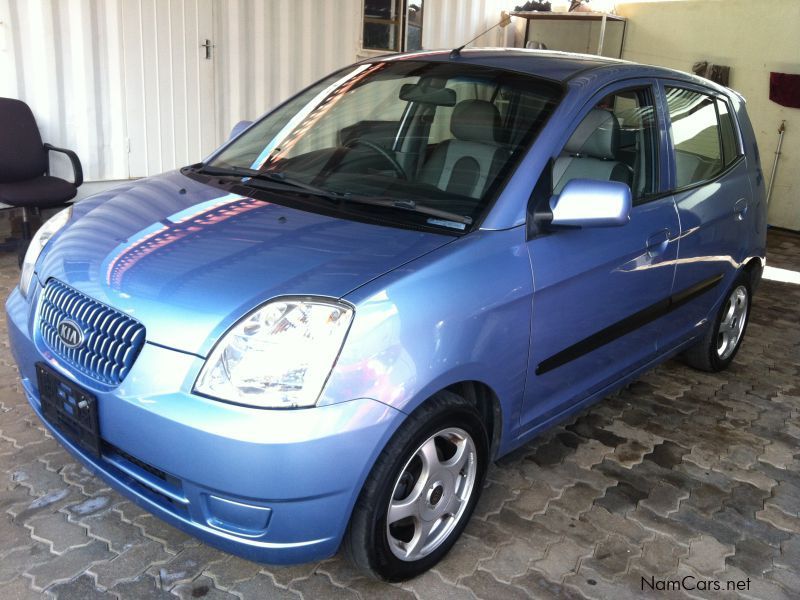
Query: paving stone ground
[[683, 474]]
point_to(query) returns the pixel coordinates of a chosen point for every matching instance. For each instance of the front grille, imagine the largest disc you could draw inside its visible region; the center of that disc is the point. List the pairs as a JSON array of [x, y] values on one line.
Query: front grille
[[111, 339]]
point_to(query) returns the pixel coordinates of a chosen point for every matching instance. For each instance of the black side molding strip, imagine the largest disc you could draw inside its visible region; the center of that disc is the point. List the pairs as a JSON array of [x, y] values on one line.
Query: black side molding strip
[[627, 325]]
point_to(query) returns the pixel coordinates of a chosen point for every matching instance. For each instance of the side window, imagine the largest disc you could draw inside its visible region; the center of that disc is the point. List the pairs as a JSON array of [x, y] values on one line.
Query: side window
[[730, 145], [616, 141], [695, 135]]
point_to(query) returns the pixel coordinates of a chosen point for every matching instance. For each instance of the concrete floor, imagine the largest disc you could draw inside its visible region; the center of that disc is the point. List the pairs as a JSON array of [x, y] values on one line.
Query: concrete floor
[[682, 474]]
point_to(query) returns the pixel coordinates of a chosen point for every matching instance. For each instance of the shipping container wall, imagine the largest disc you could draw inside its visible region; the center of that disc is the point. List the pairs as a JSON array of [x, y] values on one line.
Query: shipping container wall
[[64, 59], [451, 23], [133, 88], [170, 92], [267, 51], [270, 50]]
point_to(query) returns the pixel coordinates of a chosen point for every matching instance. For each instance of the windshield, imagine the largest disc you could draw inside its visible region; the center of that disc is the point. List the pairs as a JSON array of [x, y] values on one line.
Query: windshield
[[433, 139]]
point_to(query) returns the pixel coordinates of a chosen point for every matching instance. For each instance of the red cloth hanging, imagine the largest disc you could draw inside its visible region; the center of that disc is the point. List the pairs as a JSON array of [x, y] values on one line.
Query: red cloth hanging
[[784, 88]]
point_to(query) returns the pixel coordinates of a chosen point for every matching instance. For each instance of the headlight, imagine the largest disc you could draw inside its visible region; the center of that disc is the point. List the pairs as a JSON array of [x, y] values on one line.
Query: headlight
[[278, 356], [39, 241]]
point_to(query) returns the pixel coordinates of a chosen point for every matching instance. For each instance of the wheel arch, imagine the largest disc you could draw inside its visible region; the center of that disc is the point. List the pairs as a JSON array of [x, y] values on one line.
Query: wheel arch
[[754, 267], [488, 404]]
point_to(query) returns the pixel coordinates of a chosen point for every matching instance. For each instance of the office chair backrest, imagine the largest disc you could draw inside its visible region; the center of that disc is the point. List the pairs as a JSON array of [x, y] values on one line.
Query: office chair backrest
[[22, 154]]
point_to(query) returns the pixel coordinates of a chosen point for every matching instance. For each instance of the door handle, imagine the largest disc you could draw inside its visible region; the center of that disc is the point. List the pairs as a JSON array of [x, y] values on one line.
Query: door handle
[[740, 209], [658, 242], [208, 46]]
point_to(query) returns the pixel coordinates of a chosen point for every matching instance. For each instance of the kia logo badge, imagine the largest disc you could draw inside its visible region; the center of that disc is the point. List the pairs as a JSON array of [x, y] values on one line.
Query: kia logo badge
[[70, 334]]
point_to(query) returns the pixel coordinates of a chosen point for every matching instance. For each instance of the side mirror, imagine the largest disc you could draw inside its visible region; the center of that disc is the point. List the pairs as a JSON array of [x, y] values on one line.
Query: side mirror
[[239, 128], [591, 203]]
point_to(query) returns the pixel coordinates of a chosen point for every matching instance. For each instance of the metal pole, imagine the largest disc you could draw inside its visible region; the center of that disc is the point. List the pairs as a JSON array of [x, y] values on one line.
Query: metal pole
[[602, 35], [781, 131], [404, 16]]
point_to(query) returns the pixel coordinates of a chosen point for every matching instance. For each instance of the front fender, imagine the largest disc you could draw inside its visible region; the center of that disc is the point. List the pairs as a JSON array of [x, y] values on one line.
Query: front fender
[[460, 313]]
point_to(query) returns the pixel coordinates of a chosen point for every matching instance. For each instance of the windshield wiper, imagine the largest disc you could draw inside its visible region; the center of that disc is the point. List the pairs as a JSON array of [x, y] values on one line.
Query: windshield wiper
[[276, 177], [410, 205], [270, 177]]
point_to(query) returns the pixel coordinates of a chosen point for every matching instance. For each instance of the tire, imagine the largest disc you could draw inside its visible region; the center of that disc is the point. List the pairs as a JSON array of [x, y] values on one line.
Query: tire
[[718, 347], [447, 433]]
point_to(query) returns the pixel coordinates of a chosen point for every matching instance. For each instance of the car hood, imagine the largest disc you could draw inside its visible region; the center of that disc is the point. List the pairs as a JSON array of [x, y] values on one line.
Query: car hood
[[188, 260]]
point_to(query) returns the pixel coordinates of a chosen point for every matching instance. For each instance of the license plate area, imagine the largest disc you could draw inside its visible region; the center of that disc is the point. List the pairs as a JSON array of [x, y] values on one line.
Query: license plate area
[[69, 409]]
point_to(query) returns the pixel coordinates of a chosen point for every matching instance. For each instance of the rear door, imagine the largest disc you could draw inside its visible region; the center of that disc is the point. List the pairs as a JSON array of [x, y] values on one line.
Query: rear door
[[712, 192], [600, 292]]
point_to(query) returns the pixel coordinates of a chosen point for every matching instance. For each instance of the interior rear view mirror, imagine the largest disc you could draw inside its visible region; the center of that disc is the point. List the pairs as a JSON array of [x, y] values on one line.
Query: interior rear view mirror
[[414, 92], [591, 203]]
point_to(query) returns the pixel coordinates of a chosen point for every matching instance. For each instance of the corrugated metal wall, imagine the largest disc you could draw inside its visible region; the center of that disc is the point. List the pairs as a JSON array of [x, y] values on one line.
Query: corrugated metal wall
[[169, 83], [450, 23], [67, 60], [267, 51], [270, 50], [64, 59]]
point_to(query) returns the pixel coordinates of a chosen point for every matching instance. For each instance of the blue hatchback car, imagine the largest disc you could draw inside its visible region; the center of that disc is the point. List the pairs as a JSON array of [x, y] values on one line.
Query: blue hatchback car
[[325, 332]]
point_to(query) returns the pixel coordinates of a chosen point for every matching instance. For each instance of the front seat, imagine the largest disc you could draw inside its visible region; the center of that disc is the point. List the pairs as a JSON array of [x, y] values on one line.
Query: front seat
[[591, 152], [465, 164]]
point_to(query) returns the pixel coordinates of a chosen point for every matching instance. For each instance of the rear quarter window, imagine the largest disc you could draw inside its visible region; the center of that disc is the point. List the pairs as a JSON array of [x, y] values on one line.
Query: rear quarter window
[[727, 129], [696, 136]]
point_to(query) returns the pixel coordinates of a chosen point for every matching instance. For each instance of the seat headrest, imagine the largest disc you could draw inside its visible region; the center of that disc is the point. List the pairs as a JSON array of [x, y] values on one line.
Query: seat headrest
[[597, 136], [476, 121]]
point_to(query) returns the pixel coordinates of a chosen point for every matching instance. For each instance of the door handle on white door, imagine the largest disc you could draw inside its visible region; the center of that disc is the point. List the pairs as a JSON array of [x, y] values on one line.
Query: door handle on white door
[[208, 46]]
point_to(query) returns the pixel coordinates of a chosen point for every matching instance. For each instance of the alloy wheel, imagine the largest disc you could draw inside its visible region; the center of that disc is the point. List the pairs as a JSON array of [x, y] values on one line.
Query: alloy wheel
[[431, 494], [731, 325]]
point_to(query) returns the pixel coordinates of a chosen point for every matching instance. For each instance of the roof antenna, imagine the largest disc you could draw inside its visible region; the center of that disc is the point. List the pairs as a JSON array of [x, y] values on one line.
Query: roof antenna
[[505, 21]]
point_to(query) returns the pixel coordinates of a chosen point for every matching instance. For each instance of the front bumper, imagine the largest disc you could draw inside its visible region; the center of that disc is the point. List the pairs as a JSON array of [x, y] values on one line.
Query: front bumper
[[273, 486]]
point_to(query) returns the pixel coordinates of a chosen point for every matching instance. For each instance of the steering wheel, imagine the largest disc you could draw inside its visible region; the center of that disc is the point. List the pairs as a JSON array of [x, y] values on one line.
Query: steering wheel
[[396, 166]]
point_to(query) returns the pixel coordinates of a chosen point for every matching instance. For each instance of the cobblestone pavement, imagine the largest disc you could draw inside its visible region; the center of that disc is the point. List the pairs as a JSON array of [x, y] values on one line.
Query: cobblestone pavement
[[683, 473]]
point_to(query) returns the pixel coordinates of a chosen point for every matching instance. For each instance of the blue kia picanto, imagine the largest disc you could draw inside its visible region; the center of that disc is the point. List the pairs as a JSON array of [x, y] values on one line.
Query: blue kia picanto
[[325, 332]]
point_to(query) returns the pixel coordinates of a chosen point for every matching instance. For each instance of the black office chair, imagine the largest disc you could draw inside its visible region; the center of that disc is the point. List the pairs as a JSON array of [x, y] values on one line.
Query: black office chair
[[25, 180]]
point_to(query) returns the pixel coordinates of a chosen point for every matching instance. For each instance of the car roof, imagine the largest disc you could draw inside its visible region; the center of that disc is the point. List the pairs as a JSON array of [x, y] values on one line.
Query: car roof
[[553, 65], [558, 66]]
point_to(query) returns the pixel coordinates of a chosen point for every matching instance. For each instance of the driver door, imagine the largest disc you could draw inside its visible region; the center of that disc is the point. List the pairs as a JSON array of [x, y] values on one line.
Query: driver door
[[599, 291]]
